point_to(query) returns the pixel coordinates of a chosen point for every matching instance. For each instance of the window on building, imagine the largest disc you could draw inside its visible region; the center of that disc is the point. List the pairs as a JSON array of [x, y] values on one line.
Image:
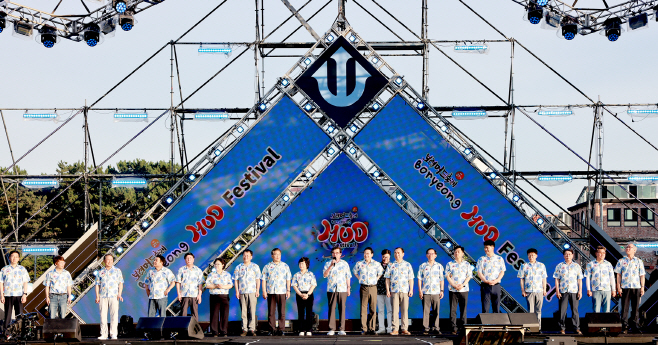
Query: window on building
[[630, 217], [646, 192], [648, 215], [614, 217], [613, 192]]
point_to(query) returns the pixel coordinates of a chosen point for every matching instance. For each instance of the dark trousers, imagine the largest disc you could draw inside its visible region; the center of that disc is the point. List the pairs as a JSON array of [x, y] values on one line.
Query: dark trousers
[[490, 295], [632, 296], [190, 302], [219, 314], [276, 302], [12, 302], [336, 298], [572, 299], [305, 312], [461, 299]]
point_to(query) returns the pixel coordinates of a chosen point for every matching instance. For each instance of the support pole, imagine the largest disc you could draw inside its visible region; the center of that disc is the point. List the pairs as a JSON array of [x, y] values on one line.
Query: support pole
[[426, 53], [599, 157], [257, 83], [86, 176], [171, 107]]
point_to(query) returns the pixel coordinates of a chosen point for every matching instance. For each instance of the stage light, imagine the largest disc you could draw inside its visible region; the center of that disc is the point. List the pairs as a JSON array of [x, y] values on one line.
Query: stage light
[[130, 182], [308, 107], [237, 246], [642, 113], [331, 151], [398, 81], [492, 175], [424, 220], [169, 200], [516, 198], [354, 128], [352, 150], [217, 152], [472, 48], [375, 60], [535, 13], [108, 26], [262, 106], [96, 273], [375, 173], [211, 116], [555, 112], [560, 178], [643, 179], [330, 129], [23, 30], [330, 38], [126, 21], [569, 31], [39, 116], [40, 183], [3, 21], [285, 82], [91, 34], [261, 222], [308, 174], [119, 250], [191, 177], [467, 151], [307, 61], [638, 22], [375, 106], [448, 245], [352, 38], [469, 114], [145, 224], [285, 198], [47, 36], [542, 3], [566, 246], [240, 129], [131, 116], [540, 221], [420, 106], [119, 5], [223, 50], [443, 127], [612, 29]]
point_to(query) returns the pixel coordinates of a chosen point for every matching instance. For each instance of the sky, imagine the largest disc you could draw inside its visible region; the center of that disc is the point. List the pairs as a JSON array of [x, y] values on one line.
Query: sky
[[72, 74]]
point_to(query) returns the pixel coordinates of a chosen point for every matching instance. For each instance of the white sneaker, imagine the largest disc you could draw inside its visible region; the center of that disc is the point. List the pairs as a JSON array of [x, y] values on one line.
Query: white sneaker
[[330, 333], [380, 331], [301, 334], [102, 338], [114, 338], [309, 334], [341, 333]]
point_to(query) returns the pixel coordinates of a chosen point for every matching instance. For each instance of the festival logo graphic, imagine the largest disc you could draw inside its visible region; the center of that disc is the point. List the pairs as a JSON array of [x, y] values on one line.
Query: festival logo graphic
[[344, 230], [341, 81]]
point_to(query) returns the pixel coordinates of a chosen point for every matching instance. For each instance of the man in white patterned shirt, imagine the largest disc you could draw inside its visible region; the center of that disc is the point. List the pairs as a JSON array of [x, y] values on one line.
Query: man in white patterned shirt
[[338, 276], [430, 290], [247, 287], [368, 271], [490, 269], [13, 286], [458, 273], [109, 285], [159, 281], [400, 287], [569, 284], [189, 285], [630, 284], [276, 290], [58, 284], [600, 280], [533, 283]]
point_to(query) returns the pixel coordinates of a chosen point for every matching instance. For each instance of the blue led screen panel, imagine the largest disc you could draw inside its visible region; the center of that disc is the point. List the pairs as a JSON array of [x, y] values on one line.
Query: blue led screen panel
[[274, 142], [455, 195]]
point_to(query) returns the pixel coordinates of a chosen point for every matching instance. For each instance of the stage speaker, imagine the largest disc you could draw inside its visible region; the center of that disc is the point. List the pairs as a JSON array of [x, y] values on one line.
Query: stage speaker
[[527, 320], [595, 322], [492, 319], [491, 335], [61, 330], [182, 327], [150, 327], [554, 340]]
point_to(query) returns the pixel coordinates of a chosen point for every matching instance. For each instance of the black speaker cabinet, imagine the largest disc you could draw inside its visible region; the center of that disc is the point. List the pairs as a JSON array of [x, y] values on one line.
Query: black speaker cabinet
[[61, 330], [150, 327], [556, 340], [492, 319], [595, 322], [527, 320], [186, 327]]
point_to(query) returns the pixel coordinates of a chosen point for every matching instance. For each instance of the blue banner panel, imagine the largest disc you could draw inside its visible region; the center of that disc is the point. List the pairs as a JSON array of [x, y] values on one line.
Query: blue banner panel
[[357, 215], [455, 195], [222, 205]]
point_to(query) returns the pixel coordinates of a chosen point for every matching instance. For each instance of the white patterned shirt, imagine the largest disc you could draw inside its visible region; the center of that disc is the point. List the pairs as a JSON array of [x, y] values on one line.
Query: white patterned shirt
[[533, 277], [13, 279], [58, 282], [631, 271], [305, 281], [399, 273], [338, 276], [247, 275], [215, 278], [600, 276], [277, 277], [569, 276], [159, 281], [432, 277], [109, 281], [368, 273], [459, 273], [189, 279], [490, 267]]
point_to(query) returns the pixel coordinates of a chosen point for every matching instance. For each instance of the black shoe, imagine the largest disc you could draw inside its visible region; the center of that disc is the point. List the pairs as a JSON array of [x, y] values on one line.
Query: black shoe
[[280, 333], [268, 334], [251, 333], [624, 331], [372, 332]]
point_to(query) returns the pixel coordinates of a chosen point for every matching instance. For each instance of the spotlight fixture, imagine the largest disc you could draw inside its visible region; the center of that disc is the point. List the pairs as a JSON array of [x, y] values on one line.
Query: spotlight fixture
[[191, 177], [535, 13], [566, 246], [516, 198], [120, 6], [23, 30], [237, 246], [119, 250], [40, 183], [542, 3], [285, 198], [261, 222], [145, 224], [92, 34], [126, 21], [569, 31], [639, 21], [375, 106], [169, 200], [129, 182], [3, 21], [612, 29]]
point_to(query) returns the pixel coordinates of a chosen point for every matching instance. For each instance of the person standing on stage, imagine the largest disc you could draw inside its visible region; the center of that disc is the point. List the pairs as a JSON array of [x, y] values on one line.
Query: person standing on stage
[[458, 273], [383, 302], [569, 282], [276, 290], [159, 281], [13, 286], [109, 285], [218, 283], [304, 283], [533, 283], [338, 276], [600, 279], [400, 287], [490, 269], [430, 290], [247, 287], [630, 284], [58, 284], [189, 285], [368, 271]]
